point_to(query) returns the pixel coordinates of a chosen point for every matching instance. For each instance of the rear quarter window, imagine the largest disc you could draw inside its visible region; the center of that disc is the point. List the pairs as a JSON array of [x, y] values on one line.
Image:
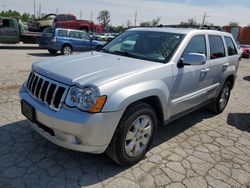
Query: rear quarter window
[[62, 33], [231, 49], [217, 49], [49, 32]]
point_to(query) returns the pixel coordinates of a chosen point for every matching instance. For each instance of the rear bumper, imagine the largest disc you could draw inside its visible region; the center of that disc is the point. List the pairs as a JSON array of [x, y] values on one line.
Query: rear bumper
[[73, 129]]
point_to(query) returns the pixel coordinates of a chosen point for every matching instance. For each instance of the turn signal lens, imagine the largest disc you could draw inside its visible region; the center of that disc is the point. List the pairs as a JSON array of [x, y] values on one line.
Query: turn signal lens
[[98, 105]]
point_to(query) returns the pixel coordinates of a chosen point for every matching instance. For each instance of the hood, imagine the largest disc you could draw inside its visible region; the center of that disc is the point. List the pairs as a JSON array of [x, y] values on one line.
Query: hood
[[90, 68]]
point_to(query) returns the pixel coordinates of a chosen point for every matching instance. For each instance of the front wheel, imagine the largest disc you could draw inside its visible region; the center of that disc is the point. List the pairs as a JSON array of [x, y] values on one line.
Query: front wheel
[[220, 103], [133, 135], [66, 50]]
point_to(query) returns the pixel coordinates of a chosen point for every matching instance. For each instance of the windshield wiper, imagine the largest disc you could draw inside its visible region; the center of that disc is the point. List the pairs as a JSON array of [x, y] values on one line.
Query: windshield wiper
[[127, 54]]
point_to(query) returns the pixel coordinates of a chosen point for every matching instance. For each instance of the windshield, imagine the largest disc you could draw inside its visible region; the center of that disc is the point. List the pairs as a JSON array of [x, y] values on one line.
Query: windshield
[[147, 45]]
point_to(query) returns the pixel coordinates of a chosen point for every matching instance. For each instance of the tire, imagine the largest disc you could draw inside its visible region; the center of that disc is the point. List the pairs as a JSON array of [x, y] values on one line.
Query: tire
[[131, 141], [220, 103], [66, 50], [52, 52]]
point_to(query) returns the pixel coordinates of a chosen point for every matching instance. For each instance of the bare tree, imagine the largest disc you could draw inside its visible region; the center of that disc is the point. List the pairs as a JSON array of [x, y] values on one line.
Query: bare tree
[[154, 22], [104, 18]]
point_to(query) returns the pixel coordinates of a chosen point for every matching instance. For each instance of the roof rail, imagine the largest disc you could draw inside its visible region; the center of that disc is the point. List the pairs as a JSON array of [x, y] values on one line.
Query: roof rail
[[218, 28]]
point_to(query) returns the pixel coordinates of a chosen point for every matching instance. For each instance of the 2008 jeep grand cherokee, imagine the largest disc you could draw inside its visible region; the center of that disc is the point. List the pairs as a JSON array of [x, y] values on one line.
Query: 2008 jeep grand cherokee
[[114, 99]]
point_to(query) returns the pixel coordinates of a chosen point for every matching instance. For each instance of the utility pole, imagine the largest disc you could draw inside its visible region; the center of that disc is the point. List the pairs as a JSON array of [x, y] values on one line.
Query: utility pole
[[135, 18], [34, 9], [40, 10], [80, 14], [91, 16], [204, 18]]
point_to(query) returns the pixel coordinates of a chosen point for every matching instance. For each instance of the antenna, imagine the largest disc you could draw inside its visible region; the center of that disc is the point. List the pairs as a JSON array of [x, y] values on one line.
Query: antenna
[[135, 18], [204, 18]]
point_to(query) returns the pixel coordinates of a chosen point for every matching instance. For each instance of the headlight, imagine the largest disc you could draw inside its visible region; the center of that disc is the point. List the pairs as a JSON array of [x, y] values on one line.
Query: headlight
[[86, 99]]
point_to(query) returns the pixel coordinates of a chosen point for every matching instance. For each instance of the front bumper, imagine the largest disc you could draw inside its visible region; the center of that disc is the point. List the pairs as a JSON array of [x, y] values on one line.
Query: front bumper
[[73, 129]]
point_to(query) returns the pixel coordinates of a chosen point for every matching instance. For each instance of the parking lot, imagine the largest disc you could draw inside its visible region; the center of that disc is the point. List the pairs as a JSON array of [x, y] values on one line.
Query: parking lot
[[198, 150]]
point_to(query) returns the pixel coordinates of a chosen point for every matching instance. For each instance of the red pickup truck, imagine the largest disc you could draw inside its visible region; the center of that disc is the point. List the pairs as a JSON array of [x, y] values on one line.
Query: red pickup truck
[[70, 21]]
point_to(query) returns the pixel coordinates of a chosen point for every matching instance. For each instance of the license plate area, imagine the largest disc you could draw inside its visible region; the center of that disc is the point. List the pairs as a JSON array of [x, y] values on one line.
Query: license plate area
[[28, 111]]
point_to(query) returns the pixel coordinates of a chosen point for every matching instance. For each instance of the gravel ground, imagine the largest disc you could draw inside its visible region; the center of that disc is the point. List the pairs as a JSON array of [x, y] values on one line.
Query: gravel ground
[[198, 150]]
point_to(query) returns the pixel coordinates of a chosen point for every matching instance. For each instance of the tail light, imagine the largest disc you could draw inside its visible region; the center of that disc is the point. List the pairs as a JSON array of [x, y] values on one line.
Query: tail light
[[53, 40]]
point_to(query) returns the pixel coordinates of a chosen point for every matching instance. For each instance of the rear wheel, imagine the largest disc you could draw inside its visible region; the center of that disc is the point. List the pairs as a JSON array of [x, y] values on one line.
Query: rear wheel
[[66, 50], [220, 103], [133, 135], [52, 52]]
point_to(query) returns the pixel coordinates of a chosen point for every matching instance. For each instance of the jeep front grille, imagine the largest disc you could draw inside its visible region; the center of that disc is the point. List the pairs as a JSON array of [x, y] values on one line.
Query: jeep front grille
[[47, 91]]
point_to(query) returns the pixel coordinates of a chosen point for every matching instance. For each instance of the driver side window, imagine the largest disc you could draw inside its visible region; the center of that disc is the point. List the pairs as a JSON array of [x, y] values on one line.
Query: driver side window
[[196, 45]]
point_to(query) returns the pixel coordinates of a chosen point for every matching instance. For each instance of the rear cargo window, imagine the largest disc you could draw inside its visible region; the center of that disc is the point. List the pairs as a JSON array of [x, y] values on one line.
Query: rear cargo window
[[217, 49], [230, 46], [49, 32], [62, 33]]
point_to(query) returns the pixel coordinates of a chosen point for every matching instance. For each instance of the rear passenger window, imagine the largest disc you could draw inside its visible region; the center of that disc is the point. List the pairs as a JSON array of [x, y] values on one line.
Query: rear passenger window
[[217, 49], [230, 46], [69, 18], [62, 33], [196, 45], [74, 34]]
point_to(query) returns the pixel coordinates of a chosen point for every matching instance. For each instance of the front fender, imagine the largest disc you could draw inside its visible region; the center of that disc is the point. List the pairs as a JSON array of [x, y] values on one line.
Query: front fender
[[122, 98]]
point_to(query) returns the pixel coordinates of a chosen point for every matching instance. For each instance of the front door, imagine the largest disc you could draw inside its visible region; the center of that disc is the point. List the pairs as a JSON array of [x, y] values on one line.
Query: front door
[[190, 82], [8, 32]]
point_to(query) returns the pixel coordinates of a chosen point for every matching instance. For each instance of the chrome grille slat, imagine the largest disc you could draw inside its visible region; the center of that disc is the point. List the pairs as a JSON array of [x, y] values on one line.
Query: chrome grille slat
[[46, 94], [46, 91], [39, 94], [31, 81], [53, 97]]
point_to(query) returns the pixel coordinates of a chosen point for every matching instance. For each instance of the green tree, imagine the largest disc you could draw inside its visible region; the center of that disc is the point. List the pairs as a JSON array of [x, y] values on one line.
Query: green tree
[[25, 17], [233, 24], [120, 28], [104, 18]]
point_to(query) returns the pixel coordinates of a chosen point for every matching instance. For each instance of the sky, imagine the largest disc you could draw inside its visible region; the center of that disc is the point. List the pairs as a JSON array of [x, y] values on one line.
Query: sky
[[219, 12]]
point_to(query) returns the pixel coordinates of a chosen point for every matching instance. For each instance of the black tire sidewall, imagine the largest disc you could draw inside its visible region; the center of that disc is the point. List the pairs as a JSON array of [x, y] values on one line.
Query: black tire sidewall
[[219, 110], [65, 47], [125, 124]]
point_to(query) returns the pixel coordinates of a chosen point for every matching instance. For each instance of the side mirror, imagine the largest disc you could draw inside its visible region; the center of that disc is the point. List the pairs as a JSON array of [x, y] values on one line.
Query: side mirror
[[192, 59]]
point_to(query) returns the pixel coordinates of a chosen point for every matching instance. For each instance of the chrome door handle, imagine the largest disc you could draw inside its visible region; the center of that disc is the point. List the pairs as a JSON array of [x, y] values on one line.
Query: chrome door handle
[[226, 65], [205, 70]]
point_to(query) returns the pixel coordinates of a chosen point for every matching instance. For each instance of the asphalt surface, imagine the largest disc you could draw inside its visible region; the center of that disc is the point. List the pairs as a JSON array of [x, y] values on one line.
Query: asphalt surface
[[198, 150]]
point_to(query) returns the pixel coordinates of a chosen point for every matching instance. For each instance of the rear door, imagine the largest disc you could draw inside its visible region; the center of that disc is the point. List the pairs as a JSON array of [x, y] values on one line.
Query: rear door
[[216, 63], [75, 40], [47, 36], [9, 31]]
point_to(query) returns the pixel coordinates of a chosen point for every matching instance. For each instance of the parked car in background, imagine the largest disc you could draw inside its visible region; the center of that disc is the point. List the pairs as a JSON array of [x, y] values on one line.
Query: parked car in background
[[39, 25], [114, 99], [105, 36], [69, 21], [67, 41], [12, 32], [246, 50]]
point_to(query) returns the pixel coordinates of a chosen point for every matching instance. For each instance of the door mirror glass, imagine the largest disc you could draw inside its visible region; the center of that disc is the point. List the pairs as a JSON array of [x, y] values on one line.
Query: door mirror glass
[[194, 59]]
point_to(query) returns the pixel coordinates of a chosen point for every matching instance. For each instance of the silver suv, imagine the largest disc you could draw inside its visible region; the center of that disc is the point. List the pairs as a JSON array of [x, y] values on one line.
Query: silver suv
[[114, 99]]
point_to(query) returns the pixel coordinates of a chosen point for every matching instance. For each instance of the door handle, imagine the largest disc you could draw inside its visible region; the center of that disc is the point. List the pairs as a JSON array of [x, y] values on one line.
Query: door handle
[[205, 70], [226, 65]]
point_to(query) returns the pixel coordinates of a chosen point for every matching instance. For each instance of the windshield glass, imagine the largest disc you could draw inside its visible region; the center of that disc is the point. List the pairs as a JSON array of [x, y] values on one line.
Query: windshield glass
[[147, 45]]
